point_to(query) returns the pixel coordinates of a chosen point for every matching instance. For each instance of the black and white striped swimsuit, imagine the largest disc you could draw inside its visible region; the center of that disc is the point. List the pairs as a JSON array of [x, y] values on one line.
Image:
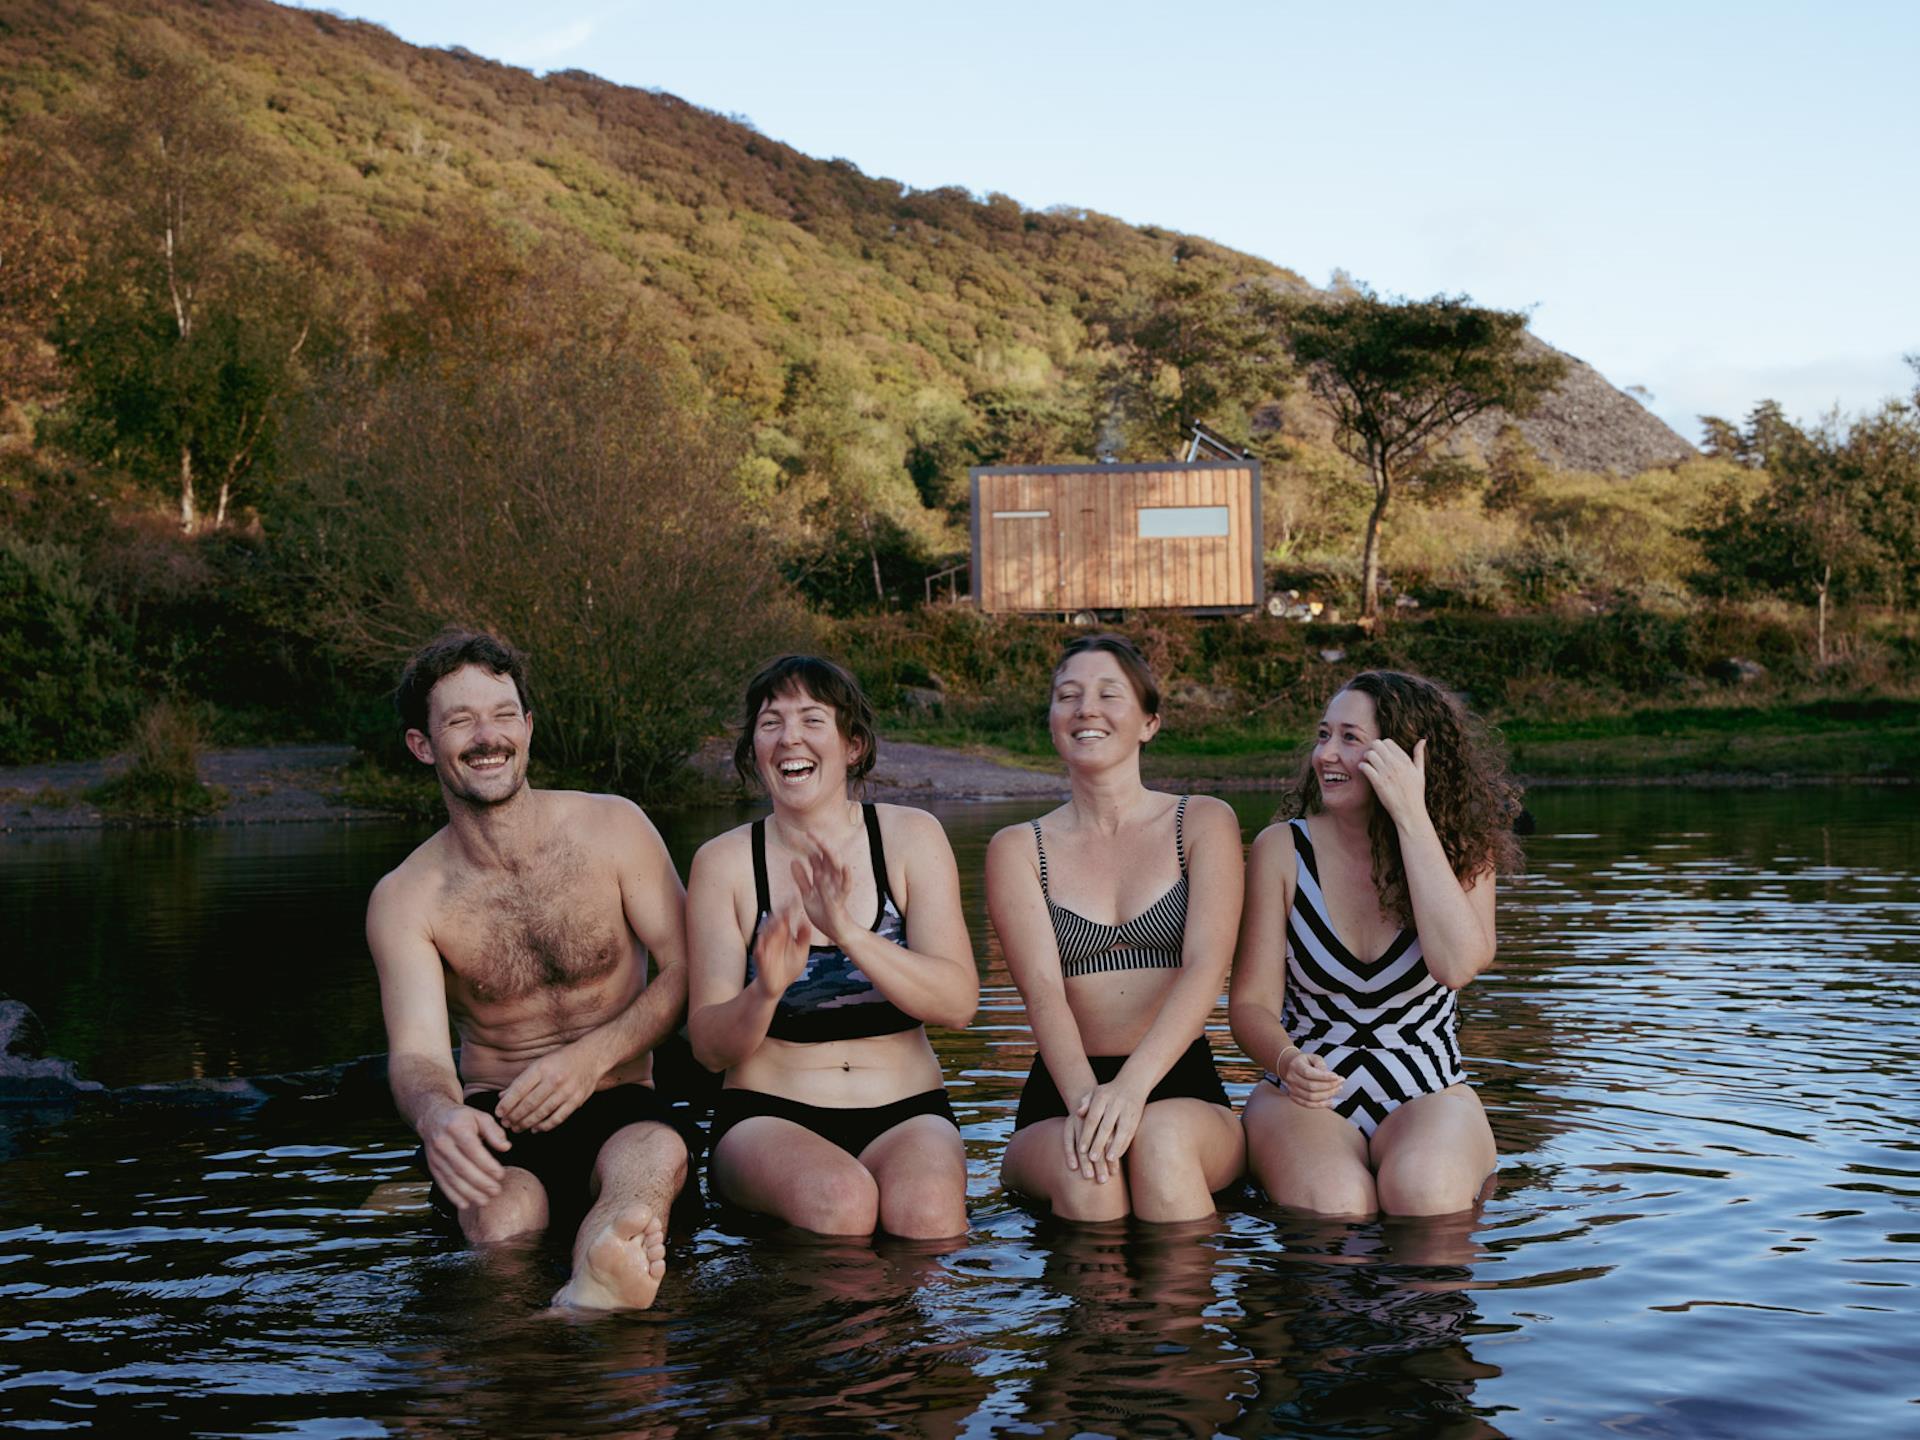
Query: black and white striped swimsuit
[[1151, 940], [1389, 1028]]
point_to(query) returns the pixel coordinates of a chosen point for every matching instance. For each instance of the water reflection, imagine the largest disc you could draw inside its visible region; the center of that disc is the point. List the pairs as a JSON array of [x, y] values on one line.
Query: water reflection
[[1122, 1331], [1695, 1049]]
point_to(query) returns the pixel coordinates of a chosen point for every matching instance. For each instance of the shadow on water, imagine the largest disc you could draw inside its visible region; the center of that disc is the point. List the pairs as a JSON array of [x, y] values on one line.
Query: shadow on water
[[1696, 1052]]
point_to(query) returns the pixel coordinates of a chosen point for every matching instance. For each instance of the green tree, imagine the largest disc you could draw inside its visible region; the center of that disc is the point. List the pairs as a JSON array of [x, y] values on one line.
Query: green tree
[[1767, 431], [1514, 472], [1812, 532], [849, 480], [578, 499], [185, 326], [1397, 378], [1201, 345]]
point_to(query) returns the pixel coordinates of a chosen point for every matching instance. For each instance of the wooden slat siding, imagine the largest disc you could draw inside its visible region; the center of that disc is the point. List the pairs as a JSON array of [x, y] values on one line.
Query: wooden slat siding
[[1195, 550], [1056, 538], [1243, 540], [1240, 537], [1210, 577], [1162, 566], [1026, 578], [993, 595], [1245, 566], [1221, 494], [1008, 540], [1040, 544], [1220, 573], [993, 489], [1004, 539], [1093, 546], [1087, 553], [1012, 538], [1145, 590], [1063, 540], [1162, 569], [1030, 596], [1073, 530]]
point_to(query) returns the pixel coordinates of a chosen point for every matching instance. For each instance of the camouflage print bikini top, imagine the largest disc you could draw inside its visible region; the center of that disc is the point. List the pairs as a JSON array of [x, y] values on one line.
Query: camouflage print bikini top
[[833, 998]]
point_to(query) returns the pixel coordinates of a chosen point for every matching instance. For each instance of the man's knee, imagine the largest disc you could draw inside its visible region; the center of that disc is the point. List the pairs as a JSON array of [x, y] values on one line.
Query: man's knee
[[519, 1209], [641, 1152]]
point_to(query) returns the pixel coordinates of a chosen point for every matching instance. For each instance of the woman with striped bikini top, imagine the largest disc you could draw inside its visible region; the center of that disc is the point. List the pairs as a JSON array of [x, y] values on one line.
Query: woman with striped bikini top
[[1122, 1112], [1151, 940]]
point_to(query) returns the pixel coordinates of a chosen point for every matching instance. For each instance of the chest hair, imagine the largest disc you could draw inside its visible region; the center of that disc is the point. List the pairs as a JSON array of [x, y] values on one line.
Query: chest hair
[[538, 931]]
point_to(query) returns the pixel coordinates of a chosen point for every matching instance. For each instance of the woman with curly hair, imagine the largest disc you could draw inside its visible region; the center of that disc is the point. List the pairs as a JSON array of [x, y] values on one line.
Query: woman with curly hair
[[1364, 914]]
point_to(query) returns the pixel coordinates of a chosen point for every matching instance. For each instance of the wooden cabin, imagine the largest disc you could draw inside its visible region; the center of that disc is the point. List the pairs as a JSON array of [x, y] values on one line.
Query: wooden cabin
[[1069, 539]]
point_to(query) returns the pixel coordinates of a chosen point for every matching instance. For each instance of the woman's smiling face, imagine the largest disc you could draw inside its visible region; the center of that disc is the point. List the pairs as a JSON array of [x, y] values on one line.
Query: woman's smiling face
[[1348, 728], [799, 750], [1096, 715]]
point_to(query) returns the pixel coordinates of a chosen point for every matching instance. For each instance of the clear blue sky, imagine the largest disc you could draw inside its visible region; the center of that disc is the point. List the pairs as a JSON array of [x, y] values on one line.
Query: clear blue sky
[[1717, 201]]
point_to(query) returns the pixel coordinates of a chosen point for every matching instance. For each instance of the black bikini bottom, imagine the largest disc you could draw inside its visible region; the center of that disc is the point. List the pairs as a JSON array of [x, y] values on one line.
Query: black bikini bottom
[[851, 1128], [562, 1159], [1191, 1078]]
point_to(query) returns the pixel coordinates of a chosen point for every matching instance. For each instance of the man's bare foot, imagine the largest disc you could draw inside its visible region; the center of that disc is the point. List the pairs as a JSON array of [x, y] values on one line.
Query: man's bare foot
[[620, 1268]]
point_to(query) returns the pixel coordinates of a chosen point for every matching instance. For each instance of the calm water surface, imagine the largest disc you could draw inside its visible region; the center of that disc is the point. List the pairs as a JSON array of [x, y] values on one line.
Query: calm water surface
[[1697, 1050]]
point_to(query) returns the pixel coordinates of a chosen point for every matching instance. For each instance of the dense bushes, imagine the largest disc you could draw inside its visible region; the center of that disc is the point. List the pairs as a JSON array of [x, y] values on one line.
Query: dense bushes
[[571, 501], [992, 673], [65, 680]]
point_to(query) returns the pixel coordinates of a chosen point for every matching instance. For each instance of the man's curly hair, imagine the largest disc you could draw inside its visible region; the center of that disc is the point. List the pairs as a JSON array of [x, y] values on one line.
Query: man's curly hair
[[1470, 797]]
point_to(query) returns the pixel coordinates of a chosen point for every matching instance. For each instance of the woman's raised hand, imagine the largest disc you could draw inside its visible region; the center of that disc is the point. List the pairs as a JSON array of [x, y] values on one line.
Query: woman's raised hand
[[1399, 781], [824, 882], [780, 950]]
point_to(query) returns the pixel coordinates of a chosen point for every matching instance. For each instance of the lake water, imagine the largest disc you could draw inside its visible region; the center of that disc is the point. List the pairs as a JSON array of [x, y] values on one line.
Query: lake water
[[1697, 1048]]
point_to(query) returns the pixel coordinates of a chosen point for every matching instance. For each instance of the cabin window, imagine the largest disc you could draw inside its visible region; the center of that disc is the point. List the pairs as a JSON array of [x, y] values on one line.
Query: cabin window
[[1171, 522], [1028, 515]]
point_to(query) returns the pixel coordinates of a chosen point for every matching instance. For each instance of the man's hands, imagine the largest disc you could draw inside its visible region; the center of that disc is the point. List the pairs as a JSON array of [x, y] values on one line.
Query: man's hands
[[550, 1089], [456, 1138]]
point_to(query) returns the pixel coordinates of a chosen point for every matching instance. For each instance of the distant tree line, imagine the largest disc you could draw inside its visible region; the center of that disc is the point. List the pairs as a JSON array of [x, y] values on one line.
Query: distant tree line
[[1837, 518], [368, 424]]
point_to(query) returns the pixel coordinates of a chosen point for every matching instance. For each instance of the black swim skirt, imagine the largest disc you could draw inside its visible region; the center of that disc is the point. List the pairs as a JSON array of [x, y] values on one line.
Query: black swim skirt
[[1191, 1078], [852, 1129], [562, 1158]]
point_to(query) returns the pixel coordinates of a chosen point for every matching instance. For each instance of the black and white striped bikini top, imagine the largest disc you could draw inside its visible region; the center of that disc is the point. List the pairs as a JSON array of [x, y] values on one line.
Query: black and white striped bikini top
[[1151, 940]]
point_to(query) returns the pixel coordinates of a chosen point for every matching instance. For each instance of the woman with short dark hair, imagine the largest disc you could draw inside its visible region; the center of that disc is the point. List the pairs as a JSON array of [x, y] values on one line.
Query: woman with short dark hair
[[1366, 913], [1117, 914], [825, 937]]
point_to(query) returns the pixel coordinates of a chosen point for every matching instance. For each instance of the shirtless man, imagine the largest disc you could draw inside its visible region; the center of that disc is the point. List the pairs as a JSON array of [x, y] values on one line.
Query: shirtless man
[[529, 916]]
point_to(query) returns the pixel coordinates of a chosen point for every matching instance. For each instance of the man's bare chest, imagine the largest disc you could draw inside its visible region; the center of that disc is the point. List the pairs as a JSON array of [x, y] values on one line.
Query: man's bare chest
[[555, 927]]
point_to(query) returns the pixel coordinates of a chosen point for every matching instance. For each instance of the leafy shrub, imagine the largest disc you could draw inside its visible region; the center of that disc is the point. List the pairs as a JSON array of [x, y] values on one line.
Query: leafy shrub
[[65, 685], [570, 498], [163, 782]]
